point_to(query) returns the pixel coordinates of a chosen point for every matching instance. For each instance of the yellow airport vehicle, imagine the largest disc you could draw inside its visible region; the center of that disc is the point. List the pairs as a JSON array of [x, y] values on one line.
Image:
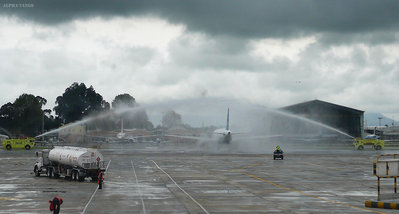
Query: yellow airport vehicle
[[373, 140], [26, 143]]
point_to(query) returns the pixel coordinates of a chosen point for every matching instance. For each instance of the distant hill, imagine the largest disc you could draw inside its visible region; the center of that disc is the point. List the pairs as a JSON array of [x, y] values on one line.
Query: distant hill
[[371, 119]]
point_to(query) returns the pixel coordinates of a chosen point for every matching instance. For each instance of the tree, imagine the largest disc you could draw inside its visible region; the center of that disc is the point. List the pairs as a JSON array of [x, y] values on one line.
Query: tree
[[132, 119], [123, 101], [171, 119], [7, 116], [140, 120], [78, 101], [42, 101], [27, 114], [50, 122]]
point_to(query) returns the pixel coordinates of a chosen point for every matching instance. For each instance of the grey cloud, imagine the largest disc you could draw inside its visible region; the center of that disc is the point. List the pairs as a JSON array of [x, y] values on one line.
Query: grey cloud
[[220, 53], [248, 19], [139, 56], [225, 24], [384, 36]]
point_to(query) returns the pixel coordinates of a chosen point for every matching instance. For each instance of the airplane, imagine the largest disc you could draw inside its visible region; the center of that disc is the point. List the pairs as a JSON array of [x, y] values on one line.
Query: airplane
[[226, 134], [372, 136], [123, 137]]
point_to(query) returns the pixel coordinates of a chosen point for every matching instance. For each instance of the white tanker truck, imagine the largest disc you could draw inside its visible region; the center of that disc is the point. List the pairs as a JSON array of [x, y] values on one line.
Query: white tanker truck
[[74, 163]]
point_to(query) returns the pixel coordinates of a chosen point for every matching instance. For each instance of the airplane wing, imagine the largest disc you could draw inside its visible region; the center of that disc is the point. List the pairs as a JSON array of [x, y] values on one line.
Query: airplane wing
[[259, 137], [188, 137], [240, 136], [125, 138]]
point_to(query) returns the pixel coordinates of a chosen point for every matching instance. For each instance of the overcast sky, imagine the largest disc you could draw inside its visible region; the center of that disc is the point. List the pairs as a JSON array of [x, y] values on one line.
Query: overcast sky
[[272, 53]]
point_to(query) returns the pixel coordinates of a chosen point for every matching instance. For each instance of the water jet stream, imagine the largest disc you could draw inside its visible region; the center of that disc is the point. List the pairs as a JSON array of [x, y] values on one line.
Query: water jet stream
[[202, 103]]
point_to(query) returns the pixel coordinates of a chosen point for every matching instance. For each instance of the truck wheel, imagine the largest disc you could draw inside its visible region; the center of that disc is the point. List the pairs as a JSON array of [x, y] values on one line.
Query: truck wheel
[[36, 171], [360, 147], [81, 178], [27, 147], [50, 172], [378, 147], [8, 147], [74, 175]]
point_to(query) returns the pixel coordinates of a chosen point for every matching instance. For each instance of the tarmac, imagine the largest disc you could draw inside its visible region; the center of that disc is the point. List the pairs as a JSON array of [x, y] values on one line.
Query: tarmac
[[151, 178]]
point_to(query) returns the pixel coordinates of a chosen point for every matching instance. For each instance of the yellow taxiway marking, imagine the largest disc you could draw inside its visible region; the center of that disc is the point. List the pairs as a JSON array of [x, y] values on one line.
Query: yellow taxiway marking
[[246, 167], [312, 196], [250, 166], [253, 165]]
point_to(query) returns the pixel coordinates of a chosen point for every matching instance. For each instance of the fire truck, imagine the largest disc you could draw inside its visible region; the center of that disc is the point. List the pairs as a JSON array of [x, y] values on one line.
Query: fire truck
[[372, 140], [26, 143]]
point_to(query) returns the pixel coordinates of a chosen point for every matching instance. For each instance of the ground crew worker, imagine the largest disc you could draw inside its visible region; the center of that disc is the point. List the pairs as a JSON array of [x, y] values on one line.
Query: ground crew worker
[[55, 204], [100, 179]]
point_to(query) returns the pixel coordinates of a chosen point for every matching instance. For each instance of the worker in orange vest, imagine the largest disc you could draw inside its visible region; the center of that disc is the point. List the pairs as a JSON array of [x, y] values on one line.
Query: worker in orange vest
[[100, 179], [55, 204]]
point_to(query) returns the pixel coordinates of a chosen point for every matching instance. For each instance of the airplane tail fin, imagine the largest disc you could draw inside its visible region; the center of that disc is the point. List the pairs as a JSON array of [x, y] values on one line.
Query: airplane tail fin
[[122, 126], [227, 125]]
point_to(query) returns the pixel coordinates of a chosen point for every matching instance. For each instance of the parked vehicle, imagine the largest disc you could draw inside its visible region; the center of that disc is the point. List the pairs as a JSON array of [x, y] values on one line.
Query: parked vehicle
[[376, 143], [76, 163], [278, 154], [26, 143]]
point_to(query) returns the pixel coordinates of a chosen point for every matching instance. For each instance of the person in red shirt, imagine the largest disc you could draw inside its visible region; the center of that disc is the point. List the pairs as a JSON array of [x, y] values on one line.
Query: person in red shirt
[[100, 180], [55, 204]]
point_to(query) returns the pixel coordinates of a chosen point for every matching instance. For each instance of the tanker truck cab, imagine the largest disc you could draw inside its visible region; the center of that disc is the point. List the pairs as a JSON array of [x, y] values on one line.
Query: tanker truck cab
[[41, 162]]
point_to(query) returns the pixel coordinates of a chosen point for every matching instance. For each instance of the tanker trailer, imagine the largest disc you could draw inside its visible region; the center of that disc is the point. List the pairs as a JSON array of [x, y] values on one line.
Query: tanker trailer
[[75, 163]]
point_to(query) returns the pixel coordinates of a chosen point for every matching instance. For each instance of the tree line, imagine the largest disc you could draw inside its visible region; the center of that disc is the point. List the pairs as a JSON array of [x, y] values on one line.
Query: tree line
[[26, 116]]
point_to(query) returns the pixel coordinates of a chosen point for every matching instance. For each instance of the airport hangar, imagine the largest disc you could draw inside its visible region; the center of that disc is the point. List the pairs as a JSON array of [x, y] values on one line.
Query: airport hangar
[[345, 119]]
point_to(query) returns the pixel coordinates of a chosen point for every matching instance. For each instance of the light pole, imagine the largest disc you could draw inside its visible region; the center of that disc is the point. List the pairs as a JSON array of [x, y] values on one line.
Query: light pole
[[393, 120], [379, 121], [43, 126]]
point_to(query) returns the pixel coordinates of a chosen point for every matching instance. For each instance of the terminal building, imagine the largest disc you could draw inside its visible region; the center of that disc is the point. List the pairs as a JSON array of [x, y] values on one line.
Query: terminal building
[[342, 118]]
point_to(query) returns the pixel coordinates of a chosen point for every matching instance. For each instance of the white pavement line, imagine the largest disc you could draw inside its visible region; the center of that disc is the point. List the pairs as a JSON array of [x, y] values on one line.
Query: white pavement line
[[138, 188], [107, 166], [92, 195], [181, 188]]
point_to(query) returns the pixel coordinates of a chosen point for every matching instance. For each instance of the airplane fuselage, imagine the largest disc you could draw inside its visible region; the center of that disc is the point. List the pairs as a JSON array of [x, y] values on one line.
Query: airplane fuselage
[[224, 135], [121, 135]]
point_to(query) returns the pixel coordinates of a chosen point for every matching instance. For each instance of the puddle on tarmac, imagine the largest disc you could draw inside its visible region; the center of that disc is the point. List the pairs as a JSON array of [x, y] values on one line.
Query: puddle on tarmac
[[200, 181], [53, 191], [8, 186], [355, 193], [222, 191]]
